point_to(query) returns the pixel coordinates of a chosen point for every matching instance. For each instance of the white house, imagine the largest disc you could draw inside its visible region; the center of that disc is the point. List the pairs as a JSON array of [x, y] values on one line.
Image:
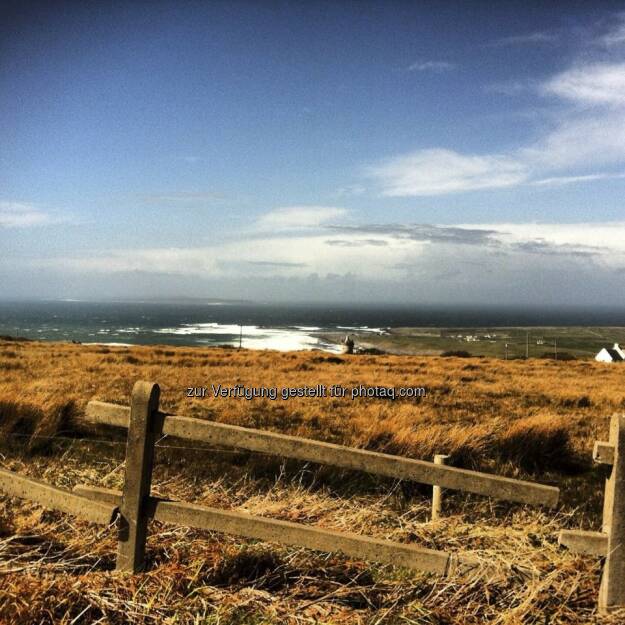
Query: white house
[[611, 354]]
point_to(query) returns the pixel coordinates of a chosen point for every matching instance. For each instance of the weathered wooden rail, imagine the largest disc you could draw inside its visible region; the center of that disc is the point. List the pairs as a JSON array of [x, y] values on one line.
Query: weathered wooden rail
[[285, 532], [136, 505], [610, 542], [336, 455], [16, 485]]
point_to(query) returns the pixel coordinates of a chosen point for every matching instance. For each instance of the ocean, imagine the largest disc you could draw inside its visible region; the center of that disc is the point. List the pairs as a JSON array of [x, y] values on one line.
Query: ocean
[[260, 326]]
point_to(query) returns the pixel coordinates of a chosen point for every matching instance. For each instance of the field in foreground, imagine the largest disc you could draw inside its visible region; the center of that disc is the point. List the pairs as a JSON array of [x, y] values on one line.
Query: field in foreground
[[534, 419]]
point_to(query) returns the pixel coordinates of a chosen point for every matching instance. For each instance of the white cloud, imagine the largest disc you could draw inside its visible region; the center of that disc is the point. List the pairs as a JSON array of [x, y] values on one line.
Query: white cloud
[[350, 190], [178, 261], [438, 171], [528, 263], [21, 215], [564, 180], [606, 235], [593, 140], [590, 84], [355, 249], [616, 35], [539, 37], [183, 197], [432, 66], [588, 131], [603, 241], [295, 217], [510, 88], [269, 256]]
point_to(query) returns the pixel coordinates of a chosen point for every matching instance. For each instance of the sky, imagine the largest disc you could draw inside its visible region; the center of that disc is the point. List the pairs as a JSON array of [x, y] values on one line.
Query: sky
[[421, 153]]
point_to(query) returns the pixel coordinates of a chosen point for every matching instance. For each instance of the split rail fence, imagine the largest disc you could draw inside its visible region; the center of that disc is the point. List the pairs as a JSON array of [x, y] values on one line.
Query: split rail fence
[[610, 542], [133, 507]]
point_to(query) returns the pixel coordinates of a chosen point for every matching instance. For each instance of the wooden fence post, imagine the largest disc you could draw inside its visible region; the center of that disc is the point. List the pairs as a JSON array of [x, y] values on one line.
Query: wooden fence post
[[437, 491], [612, 590], [138, 476]]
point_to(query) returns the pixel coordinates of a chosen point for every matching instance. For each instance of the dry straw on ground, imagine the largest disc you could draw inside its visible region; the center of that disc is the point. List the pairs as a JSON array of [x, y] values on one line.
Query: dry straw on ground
[[535, 419]]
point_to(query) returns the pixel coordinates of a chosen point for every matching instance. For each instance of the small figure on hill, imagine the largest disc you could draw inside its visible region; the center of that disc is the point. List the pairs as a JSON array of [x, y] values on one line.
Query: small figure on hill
[[348, 344]]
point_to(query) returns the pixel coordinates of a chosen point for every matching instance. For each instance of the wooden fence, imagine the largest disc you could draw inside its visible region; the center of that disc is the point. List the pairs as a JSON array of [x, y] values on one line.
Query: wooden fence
[[136, 506], [145, 422], [610, 542]]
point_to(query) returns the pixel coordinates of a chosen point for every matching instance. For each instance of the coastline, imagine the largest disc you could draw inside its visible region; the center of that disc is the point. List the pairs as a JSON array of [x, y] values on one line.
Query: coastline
[[545, 342]]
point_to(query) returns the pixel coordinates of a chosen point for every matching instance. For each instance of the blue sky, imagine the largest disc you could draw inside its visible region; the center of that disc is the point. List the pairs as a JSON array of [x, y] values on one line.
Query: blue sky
[[420, 152]]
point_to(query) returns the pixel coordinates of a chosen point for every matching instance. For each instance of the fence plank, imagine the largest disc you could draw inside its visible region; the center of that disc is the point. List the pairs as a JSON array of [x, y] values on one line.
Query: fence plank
[[138, 476], [111, 414], [612, 590], [49, 496], [579, 541], [272, 530], [338, 455], [603, 453]]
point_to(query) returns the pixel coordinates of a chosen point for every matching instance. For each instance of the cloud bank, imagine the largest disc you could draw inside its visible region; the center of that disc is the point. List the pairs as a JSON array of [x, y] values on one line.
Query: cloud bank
[[22, 215], [296, 217], [533, 263]]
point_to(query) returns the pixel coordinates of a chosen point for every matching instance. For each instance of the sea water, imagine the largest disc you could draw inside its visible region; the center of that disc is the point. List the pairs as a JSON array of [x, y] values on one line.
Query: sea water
[[260, 325]]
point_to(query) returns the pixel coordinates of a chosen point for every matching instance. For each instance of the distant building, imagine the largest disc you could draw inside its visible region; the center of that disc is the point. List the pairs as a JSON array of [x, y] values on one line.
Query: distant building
[[348, 345], [611, 354]]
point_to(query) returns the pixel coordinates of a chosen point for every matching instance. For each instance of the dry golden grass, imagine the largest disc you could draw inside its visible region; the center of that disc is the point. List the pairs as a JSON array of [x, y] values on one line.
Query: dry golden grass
[[535, 419]]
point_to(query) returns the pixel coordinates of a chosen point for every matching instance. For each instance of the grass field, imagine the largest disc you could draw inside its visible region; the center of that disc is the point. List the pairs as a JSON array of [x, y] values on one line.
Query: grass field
[[534, 419]]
